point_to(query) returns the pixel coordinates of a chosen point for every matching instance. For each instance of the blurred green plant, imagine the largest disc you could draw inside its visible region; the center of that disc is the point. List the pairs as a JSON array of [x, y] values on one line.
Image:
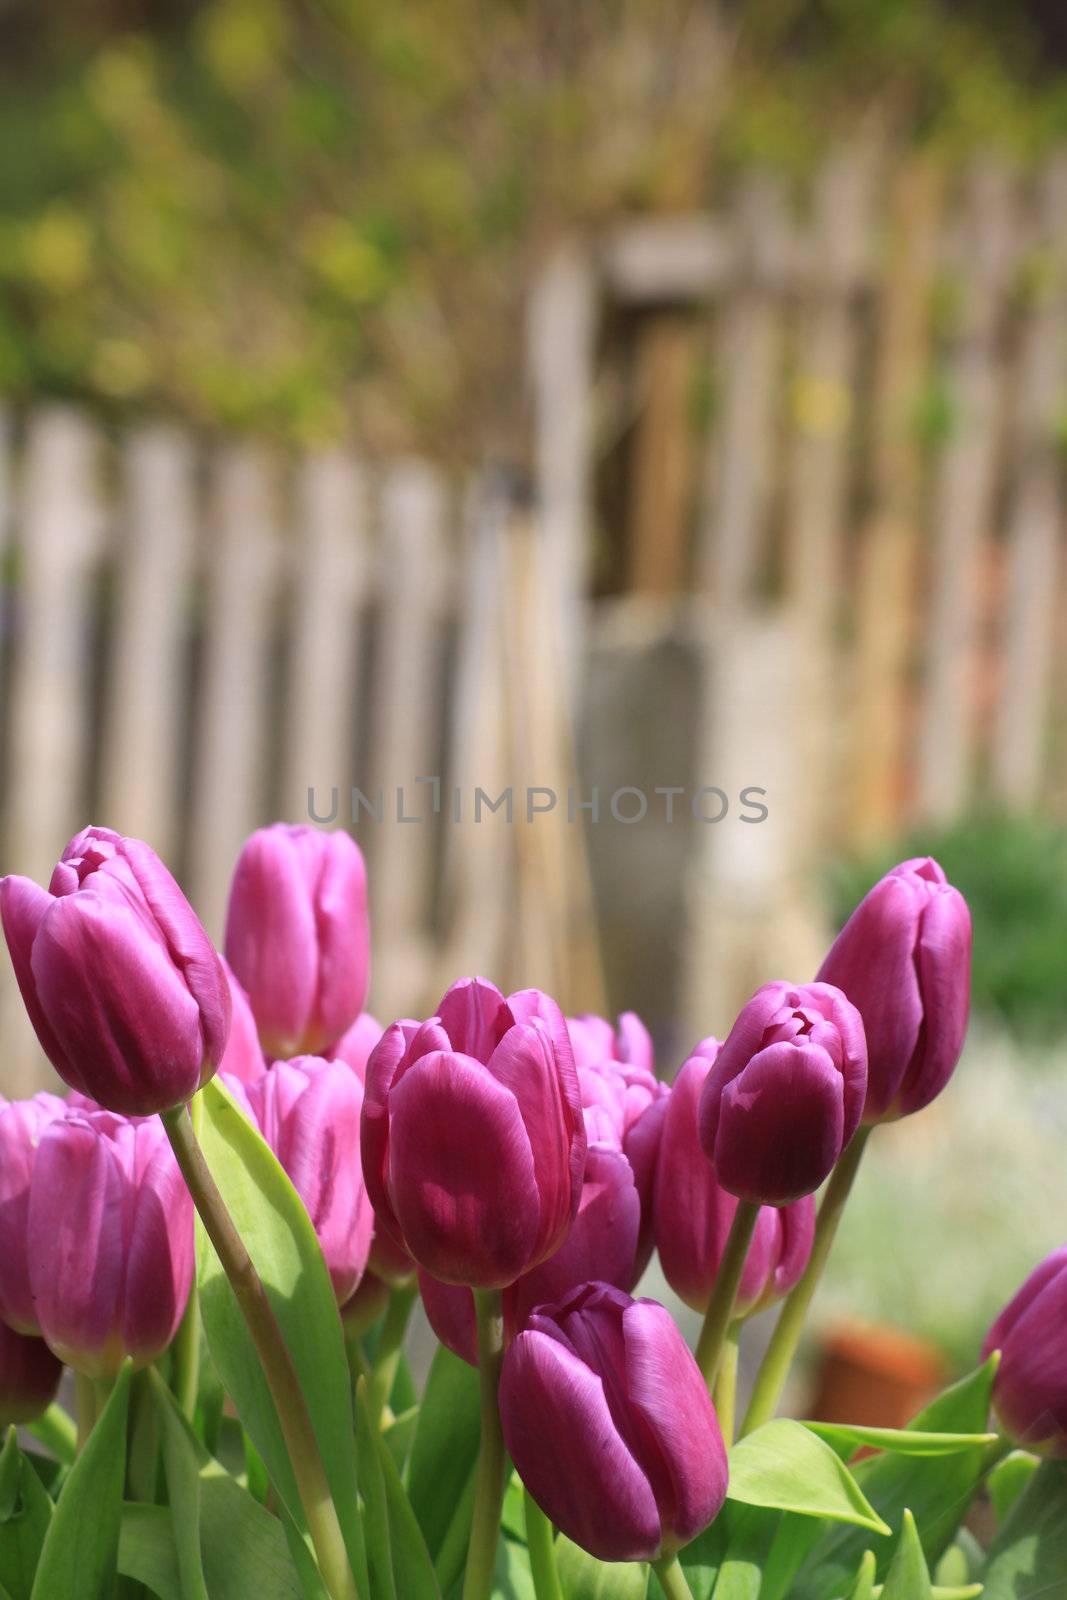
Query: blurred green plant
[[1013, 871], [320, 218]]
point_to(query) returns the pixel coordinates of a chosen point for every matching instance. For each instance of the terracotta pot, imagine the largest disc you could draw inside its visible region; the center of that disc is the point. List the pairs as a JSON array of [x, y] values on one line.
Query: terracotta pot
[[876, 1375]]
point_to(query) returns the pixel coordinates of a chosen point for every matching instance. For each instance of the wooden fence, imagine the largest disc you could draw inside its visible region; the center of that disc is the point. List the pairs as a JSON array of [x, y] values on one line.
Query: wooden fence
[[842, 583]]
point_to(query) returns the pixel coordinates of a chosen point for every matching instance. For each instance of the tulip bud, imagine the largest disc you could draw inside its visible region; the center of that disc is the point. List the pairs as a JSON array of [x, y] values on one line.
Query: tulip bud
[[109, 1240], [22, 1122], [243, 1057], [693, 1214], [603, 1242], [297, 935], [308, 1110], [355, 1045], [1030, 1388], [609, 1424], [473, 1139], [785, 1093], [903, 958], [122, 984], [29, 1377]]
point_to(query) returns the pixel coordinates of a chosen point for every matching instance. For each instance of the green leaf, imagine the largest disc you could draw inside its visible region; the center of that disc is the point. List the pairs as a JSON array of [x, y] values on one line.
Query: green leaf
[[582, 1577], [960, 1562], [863, 1588], [512, 1578], [445, 1447], [412, 1567], [244, 1551], [908, 1577], [181, 1466], [937, 1489], [1029, 1554], [785, 1466], [701, 1557], [399, 1435], [750, 1537], [25, 1512], [80, 1548], [1008, 1479], [899, 1441], [375, 1509], [146, 1550], [280, 1238]]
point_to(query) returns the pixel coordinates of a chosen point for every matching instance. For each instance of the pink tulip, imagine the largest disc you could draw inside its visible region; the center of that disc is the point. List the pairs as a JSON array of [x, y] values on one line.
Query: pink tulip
[[22, 1122], [355, 1045], [609, 1424], [109, 1240], [297, 935], [693, 1214], [308, 1110], [785, 1093], [29, 1377], [243, 1057], [473, 1139], [903, 958], [1030, 1388], [122, 985], [602, 1243]]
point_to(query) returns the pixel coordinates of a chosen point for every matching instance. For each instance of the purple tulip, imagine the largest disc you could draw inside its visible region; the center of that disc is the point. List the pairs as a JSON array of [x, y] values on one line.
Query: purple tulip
[[297, 935], [243, 1057], [785, 1093], [473, 1139], [29, 1377], [693, 1213], [308, 1110], [109, 1240], [904, 960], [609, 1424], [355, 1045], [1030, 1388], [602, 1243], [22, 1122], [121, 982]]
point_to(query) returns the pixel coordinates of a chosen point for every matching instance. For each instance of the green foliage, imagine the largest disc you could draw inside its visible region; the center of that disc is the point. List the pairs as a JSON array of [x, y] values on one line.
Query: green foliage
[[1029, 1554], [1013, 872]]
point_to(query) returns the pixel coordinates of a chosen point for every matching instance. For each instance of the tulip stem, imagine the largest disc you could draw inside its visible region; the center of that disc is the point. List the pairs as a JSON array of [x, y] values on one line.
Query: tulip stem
[[672, 1579], [390, 1348], [56, 1430], [84, 1407], [726, 1383], [492, 1460], [774, 1370], [541, 1545], [282, 1381], [720, 1312], [187, 1339]]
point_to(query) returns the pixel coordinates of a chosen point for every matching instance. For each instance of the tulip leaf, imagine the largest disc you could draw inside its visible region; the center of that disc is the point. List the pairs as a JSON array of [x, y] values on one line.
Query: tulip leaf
[[960, 1562], [938, 1490], [181, 1467], [243, 1547], [375, 1509], [1008, 1479], [582, 1577], [512, 1578], [785, 1466], [80, 1548], [397, 1558], [445, 1447], [25, 1512], [899, 1441], [749, 1539], [863, 1588], [1029, 1554], [908, 1577], [279, 1236], [412, 1567]]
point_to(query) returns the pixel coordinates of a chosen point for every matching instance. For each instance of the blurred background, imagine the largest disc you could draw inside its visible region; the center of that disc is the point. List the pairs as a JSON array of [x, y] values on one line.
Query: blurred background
[[636, 403]]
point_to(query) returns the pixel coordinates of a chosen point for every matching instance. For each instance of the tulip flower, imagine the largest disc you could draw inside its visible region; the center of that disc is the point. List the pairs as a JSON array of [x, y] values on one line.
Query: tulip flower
[[602, 1243], [243, 1057], [903, 958], [693, 1214], [356, 1043], [473, 1139], [109, 1241], [609, 1424], [126, 993], [308, 1111], [297, 935], [29, 1376], [785, 1093], [594, 1040], [1030, 1388], [22, 1122]]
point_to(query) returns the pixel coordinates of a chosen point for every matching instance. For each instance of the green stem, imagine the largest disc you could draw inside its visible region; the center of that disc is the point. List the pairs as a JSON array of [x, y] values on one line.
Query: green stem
[[726, 1383], [492, 1461], [187, 1339], [57, 1432], [720, 1312], [293, 1417], [449, 1562], [772, 1375], [84, 1408], [541, 1546], [672, 1579], [390, 1348]]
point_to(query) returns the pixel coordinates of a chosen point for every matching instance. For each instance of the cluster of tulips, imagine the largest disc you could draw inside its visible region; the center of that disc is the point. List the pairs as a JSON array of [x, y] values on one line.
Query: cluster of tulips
[[513, 1167]]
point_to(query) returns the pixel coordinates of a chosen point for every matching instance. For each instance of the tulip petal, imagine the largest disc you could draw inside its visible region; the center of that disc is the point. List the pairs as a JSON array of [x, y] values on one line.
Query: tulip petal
[[562, 1437], [943, 959], [159, 1259], [23, 905], [525, 1062], [780, 1124], [450, 1311], [475, 1016], [340, 908], [271, 940], [1030, 1389], [243, 1057], [461, 1178], [602, 1244]]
